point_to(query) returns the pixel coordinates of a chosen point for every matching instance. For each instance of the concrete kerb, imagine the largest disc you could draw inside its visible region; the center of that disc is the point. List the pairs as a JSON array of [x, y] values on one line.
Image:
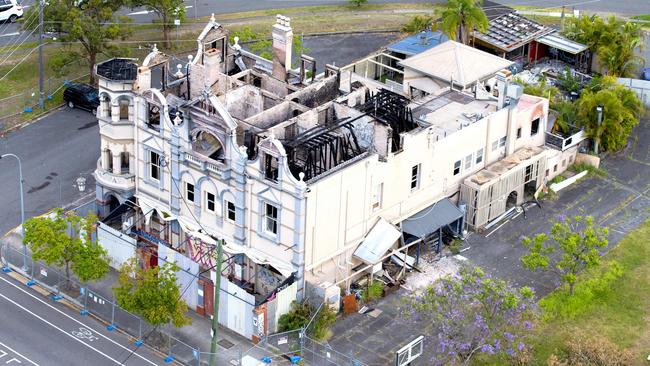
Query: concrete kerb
[[18, 274]]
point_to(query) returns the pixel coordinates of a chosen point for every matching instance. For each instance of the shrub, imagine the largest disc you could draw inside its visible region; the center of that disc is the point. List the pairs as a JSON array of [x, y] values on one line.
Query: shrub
[[591, 351], [358, 3], [374, 291], [455, 245], [296, 318], [557, 179], [580, 167], [321, 328], [418, 23]]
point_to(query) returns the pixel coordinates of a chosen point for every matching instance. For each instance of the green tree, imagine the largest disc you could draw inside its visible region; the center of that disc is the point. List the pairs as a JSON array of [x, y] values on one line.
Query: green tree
[[166, 10], [152, 293], [614, 41], [66, 240], [461, 17], [357, 3], [573, 246], [418, 24], [300, 315], [621, 111], [89, 28]]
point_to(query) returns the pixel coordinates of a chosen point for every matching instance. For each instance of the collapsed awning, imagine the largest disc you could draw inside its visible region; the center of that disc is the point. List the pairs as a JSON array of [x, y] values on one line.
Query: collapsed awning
[[432, 218], [557, 41], [148, 206], [379, 239]]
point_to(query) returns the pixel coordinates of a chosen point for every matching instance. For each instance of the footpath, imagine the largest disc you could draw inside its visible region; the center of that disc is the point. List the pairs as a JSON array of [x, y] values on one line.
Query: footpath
[[189, 345]]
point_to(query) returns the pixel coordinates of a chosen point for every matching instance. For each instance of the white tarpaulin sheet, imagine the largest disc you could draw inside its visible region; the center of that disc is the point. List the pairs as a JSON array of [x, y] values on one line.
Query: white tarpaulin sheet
[[120, 247], [186, 276], [380, 238]]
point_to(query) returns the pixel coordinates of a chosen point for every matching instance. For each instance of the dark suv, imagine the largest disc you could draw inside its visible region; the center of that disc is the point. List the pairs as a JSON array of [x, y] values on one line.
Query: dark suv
[[81, 96]]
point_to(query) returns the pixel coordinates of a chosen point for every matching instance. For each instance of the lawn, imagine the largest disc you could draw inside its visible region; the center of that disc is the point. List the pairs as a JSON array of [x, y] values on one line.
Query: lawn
[[617, 307]]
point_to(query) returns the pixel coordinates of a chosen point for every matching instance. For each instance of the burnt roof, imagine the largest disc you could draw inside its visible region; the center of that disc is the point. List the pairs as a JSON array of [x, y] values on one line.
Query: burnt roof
[[118, 69], [511, 31]]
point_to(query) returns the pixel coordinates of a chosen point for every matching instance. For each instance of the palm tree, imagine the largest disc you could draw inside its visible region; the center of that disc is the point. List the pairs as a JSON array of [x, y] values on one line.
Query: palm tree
[[461, 17], [418, 24], [621, 110], [620, 56]]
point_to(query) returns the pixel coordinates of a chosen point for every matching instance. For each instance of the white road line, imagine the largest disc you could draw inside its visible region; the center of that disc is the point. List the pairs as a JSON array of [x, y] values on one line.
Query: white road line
[[9, 34], [61, 330], [77, 321], [497, 228], [18, 353]]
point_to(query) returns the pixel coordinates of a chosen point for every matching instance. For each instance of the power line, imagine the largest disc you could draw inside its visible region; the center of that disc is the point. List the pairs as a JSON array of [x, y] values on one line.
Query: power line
[[18, 64]]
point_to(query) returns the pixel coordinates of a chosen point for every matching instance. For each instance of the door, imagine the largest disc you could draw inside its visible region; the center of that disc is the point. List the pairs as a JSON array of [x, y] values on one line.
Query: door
[[208, 296]]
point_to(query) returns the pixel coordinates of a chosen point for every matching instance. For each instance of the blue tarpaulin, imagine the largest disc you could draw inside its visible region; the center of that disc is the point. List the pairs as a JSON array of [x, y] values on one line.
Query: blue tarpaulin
[[417, 43]]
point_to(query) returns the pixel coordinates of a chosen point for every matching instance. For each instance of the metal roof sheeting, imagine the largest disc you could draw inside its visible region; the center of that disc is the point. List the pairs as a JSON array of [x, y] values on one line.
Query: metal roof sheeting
[[557, 41], [379, 239], [432, 218], [455, 61], [418, 43]]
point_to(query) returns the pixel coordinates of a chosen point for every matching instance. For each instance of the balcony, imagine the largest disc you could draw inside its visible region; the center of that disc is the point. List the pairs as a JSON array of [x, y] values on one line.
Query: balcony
[[122, 182], [205, 163]]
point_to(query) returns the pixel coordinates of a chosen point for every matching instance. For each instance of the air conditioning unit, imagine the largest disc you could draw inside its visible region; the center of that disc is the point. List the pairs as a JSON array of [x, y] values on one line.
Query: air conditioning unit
[[331, 294]]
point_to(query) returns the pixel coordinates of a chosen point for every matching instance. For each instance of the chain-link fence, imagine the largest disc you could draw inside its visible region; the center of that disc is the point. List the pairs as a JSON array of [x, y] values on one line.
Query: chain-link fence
[[92, 303]]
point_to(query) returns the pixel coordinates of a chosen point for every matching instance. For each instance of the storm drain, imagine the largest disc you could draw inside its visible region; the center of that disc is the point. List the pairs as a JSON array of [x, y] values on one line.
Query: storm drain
[[225, 343]]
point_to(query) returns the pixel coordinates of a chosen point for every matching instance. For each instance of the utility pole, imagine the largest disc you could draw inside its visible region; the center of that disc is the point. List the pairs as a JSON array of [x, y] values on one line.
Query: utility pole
[[41, 97], [215, 315]]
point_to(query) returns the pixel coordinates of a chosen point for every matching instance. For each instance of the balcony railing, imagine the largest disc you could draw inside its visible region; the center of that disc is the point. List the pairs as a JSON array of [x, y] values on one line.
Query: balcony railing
[[116, 181], [203, 162]]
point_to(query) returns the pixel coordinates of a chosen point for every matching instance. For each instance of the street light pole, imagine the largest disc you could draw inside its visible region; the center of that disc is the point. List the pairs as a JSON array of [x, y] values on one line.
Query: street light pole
[[22, 207], [599, 110], [41, 97]]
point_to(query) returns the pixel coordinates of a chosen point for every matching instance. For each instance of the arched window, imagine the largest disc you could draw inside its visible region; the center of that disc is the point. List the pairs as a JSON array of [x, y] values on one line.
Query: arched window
[[124, 108], [109, 160]]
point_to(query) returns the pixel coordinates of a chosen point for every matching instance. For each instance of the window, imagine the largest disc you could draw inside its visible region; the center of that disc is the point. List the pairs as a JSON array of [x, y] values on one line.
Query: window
[[479, 156], [547, 172], [534, 127], [377, 193], [189, 192], [154, 165], [563, 163], [270, 219], [468, 161], [209, 202], [124, 163], [231, 214], [519, 133], [124, 108], [457, 167], [271, 167], [502, 141], [495, 145], [555, 168], [109, 161], [415, 177], [529, 173]]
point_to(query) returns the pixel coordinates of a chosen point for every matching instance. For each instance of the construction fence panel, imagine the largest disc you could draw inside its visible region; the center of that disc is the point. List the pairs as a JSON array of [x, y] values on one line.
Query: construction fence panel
[[183, 352], [127, 322], [100, 307]]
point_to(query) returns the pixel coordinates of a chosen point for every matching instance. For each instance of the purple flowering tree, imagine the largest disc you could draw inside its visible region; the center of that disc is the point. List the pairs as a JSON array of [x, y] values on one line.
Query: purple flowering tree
[[472, 315], [573, 245]]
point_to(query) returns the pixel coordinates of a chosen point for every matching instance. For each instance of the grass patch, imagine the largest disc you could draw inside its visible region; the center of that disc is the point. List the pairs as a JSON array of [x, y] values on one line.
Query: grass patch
[[645, 17], [374, 291], [581, 167], [612, 300]]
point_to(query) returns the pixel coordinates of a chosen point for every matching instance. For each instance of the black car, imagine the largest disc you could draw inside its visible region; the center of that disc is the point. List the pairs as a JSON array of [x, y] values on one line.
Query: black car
[[82, 96]]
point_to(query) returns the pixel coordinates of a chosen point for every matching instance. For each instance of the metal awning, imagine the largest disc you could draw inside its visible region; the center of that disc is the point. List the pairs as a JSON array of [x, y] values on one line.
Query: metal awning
[[555, 40], [379, 239], [432, 218]]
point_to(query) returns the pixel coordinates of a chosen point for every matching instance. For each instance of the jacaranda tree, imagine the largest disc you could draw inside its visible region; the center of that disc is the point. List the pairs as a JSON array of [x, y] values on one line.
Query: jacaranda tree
[[473, 317]]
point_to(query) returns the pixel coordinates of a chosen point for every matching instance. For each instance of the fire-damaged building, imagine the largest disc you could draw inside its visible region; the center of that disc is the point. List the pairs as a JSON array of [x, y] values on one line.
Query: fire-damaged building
[[308, 180]]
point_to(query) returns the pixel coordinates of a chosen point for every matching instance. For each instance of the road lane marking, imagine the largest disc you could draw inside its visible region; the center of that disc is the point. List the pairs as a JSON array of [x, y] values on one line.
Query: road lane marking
[[78, 322], [10, 34], [19, 354], [60, 330], [84, 333]]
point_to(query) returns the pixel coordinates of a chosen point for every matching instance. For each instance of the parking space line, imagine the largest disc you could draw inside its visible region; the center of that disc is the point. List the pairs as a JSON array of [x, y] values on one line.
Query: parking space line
[[60, 330], [18, 353], [77, 321]]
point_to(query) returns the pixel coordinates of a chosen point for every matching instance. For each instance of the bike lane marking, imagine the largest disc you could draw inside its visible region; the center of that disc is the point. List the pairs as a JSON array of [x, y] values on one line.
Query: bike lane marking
[[78, 322]]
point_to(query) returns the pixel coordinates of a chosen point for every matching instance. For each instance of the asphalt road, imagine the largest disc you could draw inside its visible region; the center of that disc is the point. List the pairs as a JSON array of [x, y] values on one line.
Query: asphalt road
[[55, 151], [10, 33], [35, 330]]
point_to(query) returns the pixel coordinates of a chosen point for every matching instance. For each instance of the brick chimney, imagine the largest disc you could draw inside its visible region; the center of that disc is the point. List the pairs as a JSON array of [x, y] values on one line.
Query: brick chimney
[[282, 45]]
